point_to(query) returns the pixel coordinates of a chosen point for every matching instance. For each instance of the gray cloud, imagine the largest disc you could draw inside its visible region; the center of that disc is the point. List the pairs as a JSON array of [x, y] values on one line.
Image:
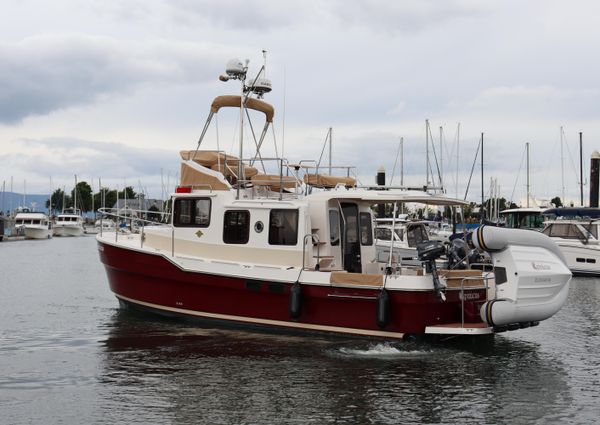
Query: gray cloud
[[44, 73], [61, 158], [372, 15]]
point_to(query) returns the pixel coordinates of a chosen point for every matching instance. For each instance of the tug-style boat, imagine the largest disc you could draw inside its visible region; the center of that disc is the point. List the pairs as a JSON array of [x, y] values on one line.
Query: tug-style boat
[[295, 250]]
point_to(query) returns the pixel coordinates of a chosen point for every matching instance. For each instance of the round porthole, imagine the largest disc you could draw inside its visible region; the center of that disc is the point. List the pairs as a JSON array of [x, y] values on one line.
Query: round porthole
[[259, 226]]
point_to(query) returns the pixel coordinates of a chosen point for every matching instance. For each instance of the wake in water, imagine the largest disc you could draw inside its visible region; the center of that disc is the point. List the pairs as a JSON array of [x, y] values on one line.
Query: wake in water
[[381, 350]]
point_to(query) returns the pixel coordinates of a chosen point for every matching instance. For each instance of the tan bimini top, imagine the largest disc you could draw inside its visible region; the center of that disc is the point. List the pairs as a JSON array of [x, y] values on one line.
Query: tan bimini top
[[325, 181], [235, 102]]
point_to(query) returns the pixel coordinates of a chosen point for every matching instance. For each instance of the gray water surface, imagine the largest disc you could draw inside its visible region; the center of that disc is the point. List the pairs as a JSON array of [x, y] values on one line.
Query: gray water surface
[[69, 355]]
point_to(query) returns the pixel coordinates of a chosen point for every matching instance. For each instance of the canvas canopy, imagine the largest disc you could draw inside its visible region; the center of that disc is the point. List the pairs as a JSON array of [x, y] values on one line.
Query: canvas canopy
[[274, 181], [202, 178], [235, 102], [209, 158], [326, 181]]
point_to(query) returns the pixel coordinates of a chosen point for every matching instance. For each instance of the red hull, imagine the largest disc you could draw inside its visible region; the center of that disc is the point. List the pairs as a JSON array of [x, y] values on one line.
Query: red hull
[[154, 282]]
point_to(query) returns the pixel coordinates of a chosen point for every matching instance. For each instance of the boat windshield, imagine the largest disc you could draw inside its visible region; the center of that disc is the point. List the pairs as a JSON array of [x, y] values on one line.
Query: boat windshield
[[525, 221]]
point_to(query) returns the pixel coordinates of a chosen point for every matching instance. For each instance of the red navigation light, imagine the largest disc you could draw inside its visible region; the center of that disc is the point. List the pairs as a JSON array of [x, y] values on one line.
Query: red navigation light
[[183, 189]]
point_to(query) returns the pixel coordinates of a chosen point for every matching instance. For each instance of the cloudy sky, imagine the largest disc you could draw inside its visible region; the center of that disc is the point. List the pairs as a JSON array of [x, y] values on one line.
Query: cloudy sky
[[114, 89]]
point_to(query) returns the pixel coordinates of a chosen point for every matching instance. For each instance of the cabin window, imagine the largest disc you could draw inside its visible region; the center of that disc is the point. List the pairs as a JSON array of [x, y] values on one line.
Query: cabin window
[[400, 234], [236, 226], [416, 235], [564, 231], [283, 227], [383, 234], [366, 231], [192, 212], [334, 227]]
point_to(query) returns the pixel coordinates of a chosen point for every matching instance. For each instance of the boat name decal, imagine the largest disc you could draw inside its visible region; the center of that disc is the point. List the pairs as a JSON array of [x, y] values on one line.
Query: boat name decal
[[471, 296], [540, 266]]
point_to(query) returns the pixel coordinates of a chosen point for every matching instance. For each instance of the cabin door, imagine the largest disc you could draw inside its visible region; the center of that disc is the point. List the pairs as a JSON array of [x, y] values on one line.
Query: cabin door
[[351, 243]]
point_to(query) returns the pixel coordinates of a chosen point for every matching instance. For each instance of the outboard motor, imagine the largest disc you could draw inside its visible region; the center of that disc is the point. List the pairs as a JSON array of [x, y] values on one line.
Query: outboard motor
[[428, 252], [457, 254]]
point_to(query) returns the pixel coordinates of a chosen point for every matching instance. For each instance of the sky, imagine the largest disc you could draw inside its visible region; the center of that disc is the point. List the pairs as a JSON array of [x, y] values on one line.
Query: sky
[[114, 89]]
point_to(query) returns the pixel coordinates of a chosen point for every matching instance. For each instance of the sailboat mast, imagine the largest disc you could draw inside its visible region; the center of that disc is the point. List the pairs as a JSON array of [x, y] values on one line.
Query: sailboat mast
[[330, 148], [562, 167], [441, 159], [528, 193], [482, 213], [426, 152], [402, 161], [75, 196], [457, 146], [581, 167]]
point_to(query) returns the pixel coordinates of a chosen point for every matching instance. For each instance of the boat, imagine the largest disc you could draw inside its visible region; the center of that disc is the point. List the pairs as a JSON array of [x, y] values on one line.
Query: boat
[[105, 225], [530, 218], [403, 236], [69, 223], [292, 252], [575, 231], [33, 225]]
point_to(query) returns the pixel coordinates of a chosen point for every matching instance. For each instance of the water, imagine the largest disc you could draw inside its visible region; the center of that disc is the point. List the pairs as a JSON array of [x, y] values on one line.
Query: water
[[68, 355]]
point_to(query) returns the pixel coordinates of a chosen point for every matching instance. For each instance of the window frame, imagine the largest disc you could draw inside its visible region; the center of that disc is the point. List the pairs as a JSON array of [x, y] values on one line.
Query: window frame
[[337, 241], [284, 210], [365, 220], [247, 232], [177, 212]]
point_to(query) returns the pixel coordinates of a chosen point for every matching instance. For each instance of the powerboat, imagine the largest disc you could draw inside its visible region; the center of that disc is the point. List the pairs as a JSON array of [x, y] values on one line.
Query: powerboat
[[69, 223], [33, 225], [530, 218], [575, 231], [262, 242], [402, 236]]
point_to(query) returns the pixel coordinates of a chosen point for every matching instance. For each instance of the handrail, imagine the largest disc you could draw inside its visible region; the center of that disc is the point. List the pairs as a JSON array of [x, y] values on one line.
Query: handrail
[[304, 249]]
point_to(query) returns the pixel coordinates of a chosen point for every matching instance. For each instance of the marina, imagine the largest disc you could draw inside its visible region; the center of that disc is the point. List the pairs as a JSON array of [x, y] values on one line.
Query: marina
[[68, 351], [299, 212]]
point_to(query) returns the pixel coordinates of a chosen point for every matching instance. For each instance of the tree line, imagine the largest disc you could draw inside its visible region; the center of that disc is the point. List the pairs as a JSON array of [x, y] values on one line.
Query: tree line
[[86, 199]]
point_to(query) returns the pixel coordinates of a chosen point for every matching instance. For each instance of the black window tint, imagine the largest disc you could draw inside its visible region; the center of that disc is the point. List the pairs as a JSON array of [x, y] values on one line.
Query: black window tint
[[283, 227], [192, 212], [366, 232], [383, 234], [334, 228], [236, 227]]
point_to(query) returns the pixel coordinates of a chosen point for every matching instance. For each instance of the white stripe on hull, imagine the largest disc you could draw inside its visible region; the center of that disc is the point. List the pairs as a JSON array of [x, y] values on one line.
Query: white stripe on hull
[[266, 322]]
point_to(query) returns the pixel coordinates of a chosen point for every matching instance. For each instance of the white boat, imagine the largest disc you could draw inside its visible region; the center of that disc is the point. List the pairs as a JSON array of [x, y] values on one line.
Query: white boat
[[104, 225], [576, 232], [524, 218], [401, 234], [285, 251], [68, 223], [33, 225]]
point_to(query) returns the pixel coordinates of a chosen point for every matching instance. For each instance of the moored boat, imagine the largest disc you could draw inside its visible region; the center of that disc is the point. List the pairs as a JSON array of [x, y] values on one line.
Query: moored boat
[[297, 252], [575, 231], [69, 223], [33, 225]]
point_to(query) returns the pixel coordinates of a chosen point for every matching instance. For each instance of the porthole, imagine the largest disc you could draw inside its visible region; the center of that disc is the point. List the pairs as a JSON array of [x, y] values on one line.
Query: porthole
[[259, 226]]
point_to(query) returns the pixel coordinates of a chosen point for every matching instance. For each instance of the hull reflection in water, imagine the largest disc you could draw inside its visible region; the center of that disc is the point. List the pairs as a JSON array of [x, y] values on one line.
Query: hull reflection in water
[[203, 375]]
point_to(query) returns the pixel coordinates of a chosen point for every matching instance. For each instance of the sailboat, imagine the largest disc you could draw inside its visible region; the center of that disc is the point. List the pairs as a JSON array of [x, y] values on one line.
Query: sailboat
[[245, 247]]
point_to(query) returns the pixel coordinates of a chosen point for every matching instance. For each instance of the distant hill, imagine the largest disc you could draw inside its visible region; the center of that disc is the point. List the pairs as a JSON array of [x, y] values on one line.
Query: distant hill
[[13, 200]]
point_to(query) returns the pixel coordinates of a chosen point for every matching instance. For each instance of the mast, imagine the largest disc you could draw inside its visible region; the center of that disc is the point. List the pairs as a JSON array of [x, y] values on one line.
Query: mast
[[581, 167], [457, 146], [441, 159], [330, 148], [426, 153], [402, 161], [562, 167], [528, 192], [75, 196], [482, 213]]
